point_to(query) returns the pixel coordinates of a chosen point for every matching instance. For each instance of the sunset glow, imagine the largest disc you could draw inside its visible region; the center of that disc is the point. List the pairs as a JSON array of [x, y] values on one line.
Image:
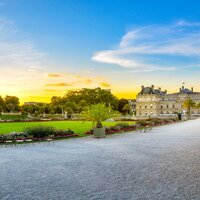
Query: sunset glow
[[47, 56]]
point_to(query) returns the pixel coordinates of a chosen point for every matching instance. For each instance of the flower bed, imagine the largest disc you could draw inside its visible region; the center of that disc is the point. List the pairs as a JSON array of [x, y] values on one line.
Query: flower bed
[[143, 125], [41, 133]]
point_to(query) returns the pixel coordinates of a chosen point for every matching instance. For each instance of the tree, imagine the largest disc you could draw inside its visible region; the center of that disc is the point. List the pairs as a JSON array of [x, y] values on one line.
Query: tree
[[98, 113], [69, 111], [91, 97], [127, 108], [1, 104], [11, 103], [10, 107], [198, 105], [71, 105], [81, 105], [188, 104], [28, 109], [121, 104]]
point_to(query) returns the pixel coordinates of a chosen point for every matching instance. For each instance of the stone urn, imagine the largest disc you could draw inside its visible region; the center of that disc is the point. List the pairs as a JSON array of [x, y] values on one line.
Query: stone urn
[[99, 132]]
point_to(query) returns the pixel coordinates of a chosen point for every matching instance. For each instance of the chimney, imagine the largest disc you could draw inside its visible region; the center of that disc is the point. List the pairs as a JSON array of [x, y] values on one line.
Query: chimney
[[180, 89], [142, 87], [159, 88], [192, 89], [165, 91], [152, 86]]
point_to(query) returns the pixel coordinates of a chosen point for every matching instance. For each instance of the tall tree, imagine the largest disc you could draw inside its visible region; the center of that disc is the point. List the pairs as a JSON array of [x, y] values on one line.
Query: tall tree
[[121, 104], [127, 108], [188, 104], [92, 96], [11, 103], [1, 104]]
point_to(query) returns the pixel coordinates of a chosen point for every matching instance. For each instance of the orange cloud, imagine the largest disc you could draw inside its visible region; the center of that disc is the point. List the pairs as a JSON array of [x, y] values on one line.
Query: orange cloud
[[104, 84], [60, 84], [88, 81], [54, 75], [78, 76]]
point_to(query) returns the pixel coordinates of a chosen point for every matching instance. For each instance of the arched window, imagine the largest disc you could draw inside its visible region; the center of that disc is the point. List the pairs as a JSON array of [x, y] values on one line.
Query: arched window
[[146, 113], [161, 106], [167, 112], [140, 113], [145, 107], [140, 107], [161, 112], [167, 106], [173, 106], [151, 106], [192, 112]]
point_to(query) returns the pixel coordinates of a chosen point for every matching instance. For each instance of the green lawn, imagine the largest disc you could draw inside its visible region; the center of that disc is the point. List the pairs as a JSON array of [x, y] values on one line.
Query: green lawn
[[77, 126]]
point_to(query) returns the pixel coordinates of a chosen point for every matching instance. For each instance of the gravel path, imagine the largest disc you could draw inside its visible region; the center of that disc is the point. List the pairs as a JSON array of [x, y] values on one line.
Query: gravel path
[[162, 164]]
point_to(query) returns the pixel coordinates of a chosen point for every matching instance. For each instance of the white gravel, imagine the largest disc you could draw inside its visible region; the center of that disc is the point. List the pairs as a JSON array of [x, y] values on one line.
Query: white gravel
[[162, 164]]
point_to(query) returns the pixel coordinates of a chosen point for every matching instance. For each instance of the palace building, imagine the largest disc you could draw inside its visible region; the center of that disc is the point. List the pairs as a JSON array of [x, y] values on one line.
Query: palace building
[[152, 102]]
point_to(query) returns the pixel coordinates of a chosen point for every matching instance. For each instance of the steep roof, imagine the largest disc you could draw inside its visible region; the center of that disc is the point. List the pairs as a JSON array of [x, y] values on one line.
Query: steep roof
[[150, 90], [186, 91]]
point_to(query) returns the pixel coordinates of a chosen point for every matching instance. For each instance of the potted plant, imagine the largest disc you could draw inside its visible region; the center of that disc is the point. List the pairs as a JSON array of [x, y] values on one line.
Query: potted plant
[[97, 114]]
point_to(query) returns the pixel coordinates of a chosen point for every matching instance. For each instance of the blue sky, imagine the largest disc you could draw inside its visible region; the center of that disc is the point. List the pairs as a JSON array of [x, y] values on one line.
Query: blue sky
[[59, 45]]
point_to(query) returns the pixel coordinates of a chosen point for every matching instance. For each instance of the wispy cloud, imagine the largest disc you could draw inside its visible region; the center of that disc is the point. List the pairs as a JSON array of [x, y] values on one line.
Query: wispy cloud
[[88, 81], [54, 75], [155, 47], [51, 90], [60, 84], [16, 51], [105, 84]]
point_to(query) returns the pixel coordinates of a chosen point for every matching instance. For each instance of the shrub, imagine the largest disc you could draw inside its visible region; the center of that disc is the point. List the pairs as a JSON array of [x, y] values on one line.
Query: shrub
[[142, 123], [63, 132], [40, 131], [122, 125]]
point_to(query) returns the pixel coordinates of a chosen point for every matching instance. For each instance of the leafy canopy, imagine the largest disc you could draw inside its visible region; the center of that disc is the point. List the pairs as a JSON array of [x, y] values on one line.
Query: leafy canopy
[[98, 113], [188, 104]]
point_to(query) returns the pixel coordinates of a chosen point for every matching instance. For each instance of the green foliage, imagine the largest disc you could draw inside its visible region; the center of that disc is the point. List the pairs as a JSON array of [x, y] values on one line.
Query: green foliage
[[98, 113], [121, 104], [122, 125], [40, 131], [11, 103], [188, 104], [127, 108], [77, 126], [91, 97], [1, 103]]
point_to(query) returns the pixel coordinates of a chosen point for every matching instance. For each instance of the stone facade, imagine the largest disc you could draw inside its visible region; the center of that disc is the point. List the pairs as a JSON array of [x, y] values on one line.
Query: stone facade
[[151, 102]]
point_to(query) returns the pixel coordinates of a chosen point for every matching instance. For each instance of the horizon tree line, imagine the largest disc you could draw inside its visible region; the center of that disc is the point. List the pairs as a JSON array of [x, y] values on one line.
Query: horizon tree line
[[71, 102]]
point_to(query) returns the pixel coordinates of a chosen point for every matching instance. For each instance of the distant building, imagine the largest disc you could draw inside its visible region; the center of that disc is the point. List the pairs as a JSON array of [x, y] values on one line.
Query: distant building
[[151, 102]]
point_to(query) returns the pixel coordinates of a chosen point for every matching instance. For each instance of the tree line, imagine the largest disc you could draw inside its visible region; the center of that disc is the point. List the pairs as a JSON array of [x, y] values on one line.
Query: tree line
[[72, 102]]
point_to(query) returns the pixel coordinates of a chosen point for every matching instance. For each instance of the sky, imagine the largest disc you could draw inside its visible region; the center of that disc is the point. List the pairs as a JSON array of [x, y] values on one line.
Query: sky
[[48, 47]]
